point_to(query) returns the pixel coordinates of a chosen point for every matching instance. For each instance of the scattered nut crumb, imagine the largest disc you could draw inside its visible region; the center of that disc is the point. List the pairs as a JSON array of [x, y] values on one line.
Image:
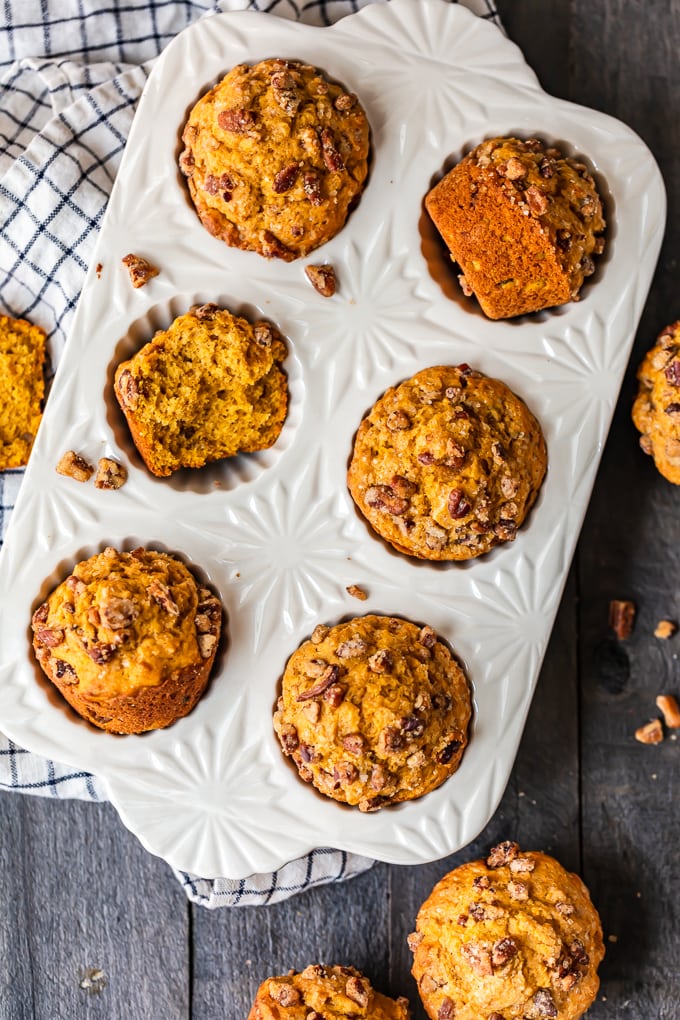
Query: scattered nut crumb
[[322, 279], [356, 592], [140, 270], [612, 938], [93, 980], [110, 474], [74, 466], [622, 617], [668, 706], [650, 733], [665, 629], [98, 270]]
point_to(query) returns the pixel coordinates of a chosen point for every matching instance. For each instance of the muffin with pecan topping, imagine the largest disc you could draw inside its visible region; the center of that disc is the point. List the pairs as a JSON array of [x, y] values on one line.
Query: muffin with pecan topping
[[208, 387], [275, 157], [373, 711], [522, 221], [333, 993], [447, 464], [129, 638], [656, 410], [512, 936]]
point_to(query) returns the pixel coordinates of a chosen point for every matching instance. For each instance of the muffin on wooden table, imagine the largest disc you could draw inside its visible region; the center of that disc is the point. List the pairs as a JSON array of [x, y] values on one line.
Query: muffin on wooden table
[[331, 993], [656, 410]]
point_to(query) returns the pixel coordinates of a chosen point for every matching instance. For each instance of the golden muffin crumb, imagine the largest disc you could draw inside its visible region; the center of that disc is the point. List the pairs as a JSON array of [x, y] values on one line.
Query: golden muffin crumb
[[208, 387], [447, 464], [514, 936], [373, 711], [324, 993], [22, 387], [656, 410], [275, 158], [522, 221], [129, 639]]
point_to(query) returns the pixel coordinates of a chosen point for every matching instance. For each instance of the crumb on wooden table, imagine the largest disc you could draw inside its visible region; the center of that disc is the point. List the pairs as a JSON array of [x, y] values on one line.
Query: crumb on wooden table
[[668, 706], [665, 629], [622, 617], [650, 733]]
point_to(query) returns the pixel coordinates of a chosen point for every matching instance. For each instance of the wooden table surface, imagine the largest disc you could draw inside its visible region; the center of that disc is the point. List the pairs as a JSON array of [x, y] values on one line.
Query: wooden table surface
[[77, 891]]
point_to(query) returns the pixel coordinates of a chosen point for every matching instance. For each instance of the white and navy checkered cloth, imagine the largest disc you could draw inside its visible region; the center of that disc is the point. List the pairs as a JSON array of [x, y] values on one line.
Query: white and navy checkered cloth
[[72, 72]]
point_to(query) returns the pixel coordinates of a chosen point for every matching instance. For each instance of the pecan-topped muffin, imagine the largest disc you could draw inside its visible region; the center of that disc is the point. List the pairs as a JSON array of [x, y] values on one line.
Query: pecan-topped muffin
[[447, 464], [208, 387], [522, 221], [324, 993], [656, 410], [129, 638], [514, 936], [275, 158], [373, 711]]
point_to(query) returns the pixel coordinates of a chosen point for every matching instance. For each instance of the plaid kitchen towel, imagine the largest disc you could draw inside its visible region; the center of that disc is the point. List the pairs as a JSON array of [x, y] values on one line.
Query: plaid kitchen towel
[[72, 72]]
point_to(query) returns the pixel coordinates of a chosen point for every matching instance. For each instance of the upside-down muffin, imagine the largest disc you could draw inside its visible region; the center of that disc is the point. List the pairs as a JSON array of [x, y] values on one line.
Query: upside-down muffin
[[514, 937], [373, 711], [275, 157], [656, 410], [523, 222], [447, 464], [331, 993], [208, 387], [22, 386], [129, 638]]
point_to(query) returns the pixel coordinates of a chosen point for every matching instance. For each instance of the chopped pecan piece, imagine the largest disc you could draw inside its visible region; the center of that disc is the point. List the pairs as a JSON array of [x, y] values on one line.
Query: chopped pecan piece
[[118, 613], [503, 951], [110, 474], [140, 270], [356, 989], [398, 421], [650, 733], [329, 676], [622, 617], [390, 739], [509, 486], [49, 636], [65, 672], [286, 91], [353, 742], [481, 882], [286, 178], [206, 645], [383, 497], [547, 168], [330, 152], [316, 667], [381, 661], [427, 637], [335, 694], [665, 629], [356, 592], [447, 1009], [319, 633], [522, 866], [344, 772], [311, 184], [161, 594], [351, 649], [322, 279], [74, 466], [417, 760], [128, 390], [478, 957], [239, 122], [203, 623], [283, 993], [206, 311], [187, 163], [448, 751], [458, 505], [345, 102], [378, 778], [672, 372], [42, 612], [668, 706], [518, 890], [289, 738], [536, 200], [101, 653], [544, 1003], [514, 169], [502, 854]]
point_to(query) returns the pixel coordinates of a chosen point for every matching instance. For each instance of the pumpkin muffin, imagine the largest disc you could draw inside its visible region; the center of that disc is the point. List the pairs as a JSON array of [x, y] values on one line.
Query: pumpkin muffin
[[447, 464], [514, 937], [331, 993], [129, 638], [22, 387], [656, 410], [522, 221], [208, 387], [373, 711], [275, 158]]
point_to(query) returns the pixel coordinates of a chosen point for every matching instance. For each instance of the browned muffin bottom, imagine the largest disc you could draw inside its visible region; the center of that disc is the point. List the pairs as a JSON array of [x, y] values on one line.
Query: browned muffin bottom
[[275, 158], [129, 639], [324, 993], [523, 222], [447, 464], [373, 711], [514, 937]]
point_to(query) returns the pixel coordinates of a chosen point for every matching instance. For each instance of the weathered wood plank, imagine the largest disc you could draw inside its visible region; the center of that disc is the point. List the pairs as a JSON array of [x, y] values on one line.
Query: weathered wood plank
[[92, 926]]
